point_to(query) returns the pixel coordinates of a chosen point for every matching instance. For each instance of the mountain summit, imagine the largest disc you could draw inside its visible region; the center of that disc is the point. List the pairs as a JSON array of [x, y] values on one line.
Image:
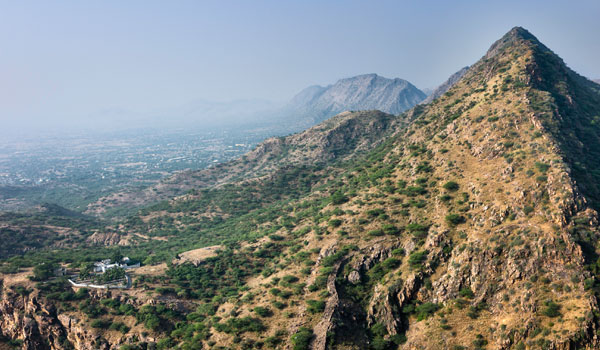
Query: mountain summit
[[363, 92]]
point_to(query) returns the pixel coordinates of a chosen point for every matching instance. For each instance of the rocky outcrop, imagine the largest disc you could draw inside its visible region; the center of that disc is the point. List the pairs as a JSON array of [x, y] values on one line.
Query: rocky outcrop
[[23, 317], [105, 238], [41, 326], [326, 323]]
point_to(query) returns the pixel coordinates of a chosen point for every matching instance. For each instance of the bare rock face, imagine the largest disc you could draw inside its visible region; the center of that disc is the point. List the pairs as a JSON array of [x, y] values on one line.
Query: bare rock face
[[381, 309], [326, 323], [354, 277], [24, 318], [41, 327], [105, 238]]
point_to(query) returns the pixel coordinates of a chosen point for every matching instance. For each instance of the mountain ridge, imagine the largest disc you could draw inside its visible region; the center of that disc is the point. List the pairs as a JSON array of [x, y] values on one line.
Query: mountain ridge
[[342, 136]]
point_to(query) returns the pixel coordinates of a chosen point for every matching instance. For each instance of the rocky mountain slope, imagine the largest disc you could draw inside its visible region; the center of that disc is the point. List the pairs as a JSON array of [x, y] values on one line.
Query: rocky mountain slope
[[482, 233], [363, 92], [440, 90], [474, 227]]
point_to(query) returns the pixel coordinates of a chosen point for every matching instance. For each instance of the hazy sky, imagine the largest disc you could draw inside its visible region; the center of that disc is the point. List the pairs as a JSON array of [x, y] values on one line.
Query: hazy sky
[[65, 60]]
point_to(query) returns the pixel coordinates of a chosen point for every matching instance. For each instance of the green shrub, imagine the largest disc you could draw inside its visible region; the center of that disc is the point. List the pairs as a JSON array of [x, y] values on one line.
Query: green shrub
[[315, 306], [279, 305], [542, 167], [455, 219], [338, 198], [551, 309], [391, 263], [287, 279], [416, 259], [120, 326], [263, 311], [390, 229], [335, 222], [301, 340], [445, 198], [473, 312], [165, 343], [376, 233], [44, 271], [479, 341], [451, 186], [398, 252], [425, 310], [419, 231], [466, 293], [240, 325], [102, 324]]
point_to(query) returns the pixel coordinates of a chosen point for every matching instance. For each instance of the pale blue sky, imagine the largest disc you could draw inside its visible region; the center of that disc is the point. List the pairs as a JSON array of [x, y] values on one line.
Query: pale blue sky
[[66, 60]]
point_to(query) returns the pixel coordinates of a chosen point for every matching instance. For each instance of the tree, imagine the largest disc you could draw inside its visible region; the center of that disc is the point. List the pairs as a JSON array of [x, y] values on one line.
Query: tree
[[116, 256], [44, 271], [86, 270]]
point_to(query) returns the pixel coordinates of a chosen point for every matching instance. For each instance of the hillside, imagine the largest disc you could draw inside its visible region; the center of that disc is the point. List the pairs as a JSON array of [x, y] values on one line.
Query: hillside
[[48, 226], [476, 226], [466, 223], [363, 92], [341, 137]]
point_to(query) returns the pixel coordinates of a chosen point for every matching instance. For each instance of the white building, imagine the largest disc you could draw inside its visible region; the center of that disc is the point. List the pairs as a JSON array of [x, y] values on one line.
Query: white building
[[106, 264]]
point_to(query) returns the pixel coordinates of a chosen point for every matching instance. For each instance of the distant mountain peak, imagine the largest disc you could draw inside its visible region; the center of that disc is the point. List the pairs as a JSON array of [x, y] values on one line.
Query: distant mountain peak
[[362, 92]]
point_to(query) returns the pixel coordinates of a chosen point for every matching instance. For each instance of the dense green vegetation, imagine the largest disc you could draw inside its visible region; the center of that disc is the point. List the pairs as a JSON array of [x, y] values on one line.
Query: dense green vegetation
[[22, 232]]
